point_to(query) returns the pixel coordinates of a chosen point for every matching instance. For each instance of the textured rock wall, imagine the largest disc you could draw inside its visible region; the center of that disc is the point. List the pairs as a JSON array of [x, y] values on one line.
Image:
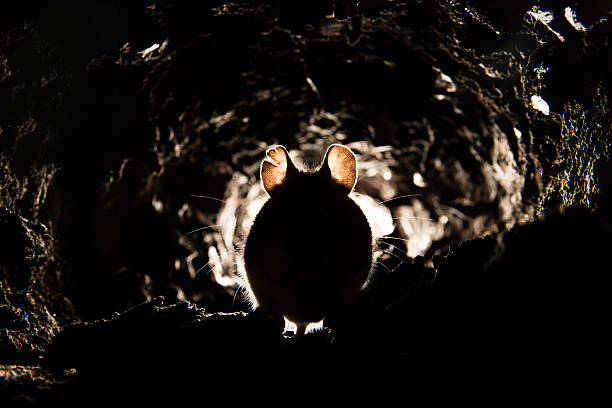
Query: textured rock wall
[[113, 115]]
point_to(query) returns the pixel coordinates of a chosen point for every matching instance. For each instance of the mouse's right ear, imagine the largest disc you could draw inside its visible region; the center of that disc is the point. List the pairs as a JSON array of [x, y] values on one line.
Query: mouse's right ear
[[275, 168], [340, 164]]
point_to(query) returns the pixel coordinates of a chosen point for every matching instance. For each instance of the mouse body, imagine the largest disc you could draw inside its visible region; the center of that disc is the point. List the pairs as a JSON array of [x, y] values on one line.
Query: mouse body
[[309, 250]]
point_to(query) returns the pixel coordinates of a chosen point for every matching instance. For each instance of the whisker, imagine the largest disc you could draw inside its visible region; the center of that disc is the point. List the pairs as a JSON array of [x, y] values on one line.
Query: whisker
[[383, 238], [390, 305], [414, 218], [203, 228], [203, 196], [395, 247], [236, 294], [202, 267], [212, 266], [403, 196], [392, 254], [382, 264]]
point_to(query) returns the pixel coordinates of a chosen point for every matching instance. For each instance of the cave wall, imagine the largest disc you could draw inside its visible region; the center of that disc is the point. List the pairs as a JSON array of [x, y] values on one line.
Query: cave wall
[[113, 115]]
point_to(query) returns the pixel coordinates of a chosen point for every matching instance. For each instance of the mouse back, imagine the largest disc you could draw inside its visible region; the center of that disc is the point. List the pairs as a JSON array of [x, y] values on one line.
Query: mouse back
[[309, 250]]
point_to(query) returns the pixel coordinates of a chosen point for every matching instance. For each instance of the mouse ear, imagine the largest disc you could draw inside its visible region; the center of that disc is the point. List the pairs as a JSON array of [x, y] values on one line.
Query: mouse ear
[[275, 168], [341, 164]]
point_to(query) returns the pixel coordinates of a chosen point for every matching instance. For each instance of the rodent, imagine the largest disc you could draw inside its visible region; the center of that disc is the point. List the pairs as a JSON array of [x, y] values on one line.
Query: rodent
[[310, 248]]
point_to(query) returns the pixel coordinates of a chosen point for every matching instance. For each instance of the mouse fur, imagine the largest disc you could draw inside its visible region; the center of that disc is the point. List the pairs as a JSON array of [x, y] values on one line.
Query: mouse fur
[[309, 250]]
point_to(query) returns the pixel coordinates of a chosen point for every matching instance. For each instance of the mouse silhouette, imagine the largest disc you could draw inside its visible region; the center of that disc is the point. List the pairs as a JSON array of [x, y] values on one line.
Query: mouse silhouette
[[309, 250]]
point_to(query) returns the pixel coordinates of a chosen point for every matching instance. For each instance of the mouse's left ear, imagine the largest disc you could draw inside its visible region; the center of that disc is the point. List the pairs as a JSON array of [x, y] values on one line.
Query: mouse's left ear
[[276, 168], [341, 164]]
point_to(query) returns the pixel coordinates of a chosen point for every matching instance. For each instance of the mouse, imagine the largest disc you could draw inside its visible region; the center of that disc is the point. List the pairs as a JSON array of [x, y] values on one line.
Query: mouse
[[309, 250]]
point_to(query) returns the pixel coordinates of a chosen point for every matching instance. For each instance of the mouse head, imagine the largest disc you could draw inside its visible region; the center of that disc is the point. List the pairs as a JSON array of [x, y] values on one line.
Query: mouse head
[[339, 167]]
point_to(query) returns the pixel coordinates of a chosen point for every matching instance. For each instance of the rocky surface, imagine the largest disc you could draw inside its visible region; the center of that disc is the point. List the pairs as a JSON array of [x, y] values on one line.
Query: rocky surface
[[112, 116]]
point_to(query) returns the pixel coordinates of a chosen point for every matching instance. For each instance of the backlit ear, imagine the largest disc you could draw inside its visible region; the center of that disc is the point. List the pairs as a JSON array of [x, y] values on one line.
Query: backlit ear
[[341, 163], [275, 168]]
